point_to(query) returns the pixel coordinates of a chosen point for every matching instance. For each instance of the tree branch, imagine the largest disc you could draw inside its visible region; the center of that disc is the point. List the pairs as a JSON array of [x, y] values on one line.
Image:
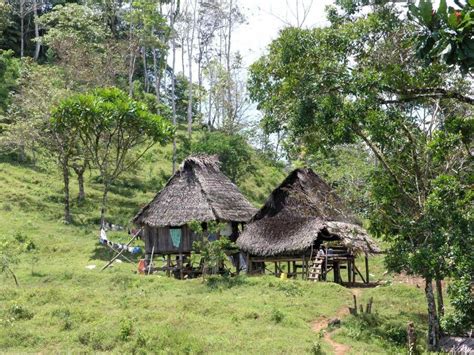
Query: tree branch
[[428, 93]]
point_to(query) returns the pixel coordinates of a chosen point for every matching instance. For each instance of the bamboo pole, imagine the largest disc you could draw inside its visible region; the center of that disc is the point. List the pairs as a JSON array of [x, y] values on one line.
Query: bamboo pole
[[116, 256], [151, 259]]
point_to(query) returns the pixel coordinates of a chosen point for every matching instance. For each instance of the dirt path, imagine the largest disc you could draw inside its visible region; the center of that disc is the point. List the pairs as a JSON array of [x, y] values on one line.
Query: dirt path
[[322, 324]]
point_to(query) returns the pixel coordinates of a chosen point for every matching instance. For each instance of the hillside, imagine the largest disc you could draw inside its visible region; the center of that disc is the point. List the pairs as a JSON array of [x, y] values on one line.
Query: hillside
[[63, 306]]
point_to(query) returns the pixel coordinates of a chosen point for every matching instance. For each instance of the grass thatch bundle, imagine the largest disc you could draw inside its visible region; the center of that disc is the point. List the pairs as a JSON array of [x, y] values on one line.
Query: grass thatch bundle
[[198, 191], [300, 210]]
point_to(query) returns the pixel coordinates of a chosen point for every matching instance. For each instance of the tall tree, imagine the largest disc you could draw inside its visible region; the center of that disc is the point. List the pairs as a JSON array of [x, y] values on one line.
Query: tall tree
[[115, 130], [359, 80]]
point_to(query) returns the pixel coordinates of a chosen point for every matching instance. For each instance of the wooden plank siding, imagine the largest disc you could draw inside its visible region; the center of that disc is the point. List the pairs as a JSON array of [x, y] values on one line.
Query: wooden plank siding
[[161, 238]]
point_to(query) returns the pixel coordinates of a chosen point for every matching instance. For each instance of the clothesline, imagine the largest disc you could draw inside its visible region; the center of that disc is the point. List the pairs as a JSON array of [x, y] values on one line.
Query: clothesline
[[117, 246]]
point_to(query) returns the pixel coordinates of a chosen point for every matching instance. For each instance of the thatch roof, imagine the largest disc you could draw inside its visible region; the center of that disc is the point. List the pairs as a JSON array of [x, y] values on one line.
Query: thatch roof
[[302, 208], [198, 191]]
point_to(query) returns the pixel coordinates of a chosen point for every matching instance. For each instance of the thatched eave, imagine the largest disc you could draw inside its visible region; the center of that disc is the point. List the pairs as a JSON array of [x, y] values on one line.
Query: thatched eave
[[198, 191]]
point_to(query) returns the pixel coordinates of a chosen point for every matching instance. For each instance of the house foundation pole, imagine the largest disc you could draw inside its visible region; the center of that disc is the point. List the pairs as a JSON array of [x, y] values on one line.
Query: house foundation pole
[[366, 269]]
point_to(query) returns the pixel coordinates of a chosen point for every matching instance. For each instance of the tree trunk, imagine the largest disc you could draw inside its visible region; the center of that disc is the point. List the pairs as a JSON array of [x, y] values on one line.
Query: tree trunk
[[14, 276], [433, 321], [173, 91], [38, 41], [230, 111], [439, 298], [190, 97], [157, 76], [80, 170], [190, 41], [22, 28], [103, 208], [145, 71], [67, 206], [80, 179]]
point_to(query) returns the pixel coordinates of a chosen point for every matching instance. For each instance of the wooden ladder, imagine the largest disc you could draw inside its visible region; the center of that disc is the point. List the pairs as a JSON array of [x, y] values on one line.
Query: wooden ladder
[[316, 269]]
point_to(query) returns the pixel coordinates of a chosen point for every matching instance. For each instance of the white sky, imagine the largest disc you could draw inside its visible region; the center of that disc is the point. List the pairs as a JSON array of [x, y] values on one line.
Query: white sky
[[265, 18]]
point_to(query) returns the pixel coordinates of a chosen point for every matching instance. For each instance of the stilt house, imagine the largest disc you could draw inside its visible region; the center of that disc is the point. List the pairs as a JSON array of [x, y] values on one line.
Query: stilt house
[[300, 216], [198, 191]]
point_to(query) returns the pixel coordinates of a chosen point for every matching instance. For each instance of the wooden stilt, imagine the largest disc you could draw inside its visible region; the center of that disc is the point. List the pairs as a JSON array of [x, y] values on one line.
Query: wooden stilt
[[151, 260], [180, 265], [276, 270], [238, 264], [349, 271], [249, 264], [168, 266], [366, 269]]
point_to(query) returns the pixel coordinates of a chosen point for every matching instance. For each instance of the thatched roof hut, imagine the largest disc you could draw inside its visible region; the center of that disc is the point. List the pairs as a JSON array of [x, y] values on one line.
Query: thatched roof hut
[[198, 191], [298, 212]]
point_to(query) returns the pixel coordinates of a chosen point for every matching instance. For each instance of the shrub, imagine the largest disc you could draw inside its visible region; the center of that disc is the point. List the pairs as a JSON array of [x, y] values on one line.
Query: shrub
[[126, 329], [18, 312], [277, 316]]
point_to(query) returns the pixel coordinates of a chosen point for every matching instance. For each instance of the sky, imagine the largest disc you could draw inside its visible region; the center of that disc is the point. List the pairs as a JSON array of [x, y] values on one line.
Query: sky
[[265, 18]]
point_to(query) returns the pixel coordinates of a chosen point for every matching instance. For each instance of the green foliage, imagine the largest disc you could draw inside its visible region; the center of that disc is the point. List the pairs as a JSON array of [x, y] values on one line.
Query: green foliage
[[461, 318], [11, 250], [80, 43], [9, 73], [446, 33], [114, 130], [234, 153], [347, 168], [343, 75], [126, 329], [212, 254], [5, 20], [40, 87]]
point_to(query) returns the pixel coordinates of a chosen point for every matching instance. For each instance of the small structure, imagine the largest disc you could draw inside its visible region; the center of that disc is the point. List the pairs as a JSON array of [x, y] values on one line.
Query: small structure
[[200, 192], [305, 225]]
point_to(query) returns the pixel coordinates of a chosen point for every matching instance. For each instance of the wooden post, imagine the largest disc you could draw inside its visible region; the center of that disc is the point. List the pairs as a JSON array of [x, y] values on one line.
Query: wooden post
[[238, 264], [366, 269], [288, 268], [180, 265], [249, 264], [411, 336], [354, 273], [116, 256], [304, 269], [349, 271], [151, 259], [276, 270], [168, 266]]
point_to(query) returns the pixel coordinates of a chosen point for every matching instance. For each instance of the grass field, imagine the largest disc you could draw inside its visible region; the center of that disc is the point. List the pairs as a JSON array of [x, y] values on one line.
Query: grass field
[[63, 306]]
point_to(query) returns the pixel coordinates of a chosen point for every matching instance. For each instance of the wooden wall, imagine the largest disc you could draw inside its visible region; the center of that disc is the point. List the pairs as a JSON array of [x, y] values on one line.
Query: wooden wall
[[161, 239]]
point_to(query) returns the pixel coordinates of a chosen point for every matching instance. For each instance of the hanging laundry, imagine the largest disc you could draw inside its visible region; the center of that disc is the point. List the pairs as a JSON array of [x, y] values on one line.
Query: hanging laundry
[[117, 246]]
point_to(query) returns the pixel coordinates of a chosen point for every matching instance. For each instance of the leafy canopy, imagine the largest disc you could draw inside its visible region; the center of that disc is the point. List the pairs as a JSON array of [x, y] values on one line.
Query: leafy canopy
[[445, 34]]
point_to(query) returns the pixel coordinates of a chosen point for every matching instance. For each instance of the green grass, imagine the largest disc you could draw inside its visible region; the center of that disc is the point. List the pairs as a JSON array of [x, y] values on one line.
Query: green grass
[[63, 306]]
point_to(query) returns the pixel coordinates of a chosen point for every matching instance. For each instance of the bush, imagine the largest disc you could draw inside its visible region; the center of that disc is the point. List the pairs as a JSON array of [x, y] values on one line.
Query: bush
[[126, 329], [277, 316], [18, 312], [461, 319]]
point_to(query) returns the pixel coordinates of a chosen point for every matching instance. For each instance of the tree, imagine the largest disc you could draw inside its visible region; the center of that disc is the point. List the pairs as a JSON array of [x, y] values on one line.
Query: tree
[[79, 42], [359, 80], [212, 254], [9, 73], [445, 34], [234, 152], [10, 249], [115, 131]]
